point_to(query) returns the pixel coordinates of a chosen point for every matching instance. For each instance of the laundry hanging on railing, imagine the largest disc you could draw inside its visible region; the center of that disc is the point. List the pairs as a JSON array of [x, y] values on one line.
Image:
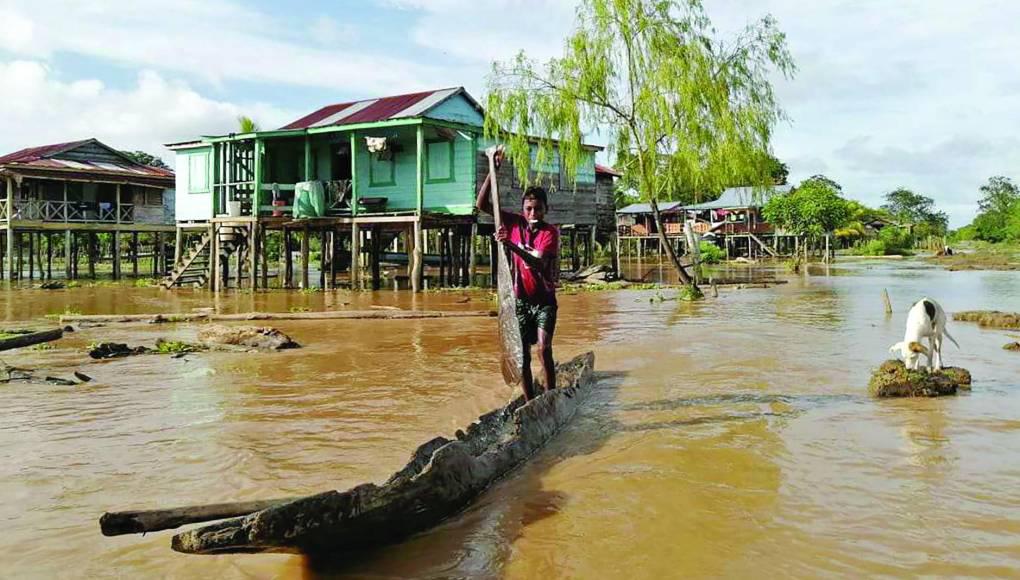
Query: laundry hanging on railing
[[309, 199]]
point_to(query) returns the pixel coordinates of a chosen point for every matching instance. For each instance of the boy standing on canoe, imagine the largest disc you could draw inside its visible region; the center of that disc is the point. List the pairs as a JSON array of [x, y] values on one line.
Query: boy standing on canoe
[[535, 246]]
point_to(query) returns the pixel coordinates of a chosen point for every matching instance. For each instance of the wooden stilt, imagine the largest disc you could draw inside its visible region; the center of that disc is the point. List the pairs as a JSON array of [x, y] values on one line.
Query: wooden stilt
[[253, 255], [134, 254], [74, 254], [288, 257], [39, 254], [472, 256], [355, 256], [178, 245], [49, 256], [332, 258], [263, 245], [116, 255], [91, 251], [322, 259], [31, 255], [376, 249], [214, 258], [416, 263], [304, 257]]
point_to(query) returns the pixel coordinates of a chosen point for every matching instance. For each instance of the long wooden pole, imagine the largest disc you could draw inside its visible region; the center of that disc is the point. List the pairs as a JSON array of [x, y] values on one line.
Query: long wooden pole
[[140, 522], [325, 315]]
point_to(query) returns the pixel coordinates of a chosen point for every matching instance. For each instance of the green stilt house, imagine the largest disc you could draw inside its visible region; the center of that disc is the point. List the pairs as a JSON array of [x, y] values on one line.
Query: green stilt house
[[376, 180]]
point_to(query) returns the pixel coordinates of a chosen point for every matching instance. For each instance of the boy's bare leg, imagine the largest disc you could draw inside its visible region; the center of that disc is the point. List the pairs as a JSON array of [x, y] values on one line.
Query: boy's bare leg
[[527, 380], [546, 354]]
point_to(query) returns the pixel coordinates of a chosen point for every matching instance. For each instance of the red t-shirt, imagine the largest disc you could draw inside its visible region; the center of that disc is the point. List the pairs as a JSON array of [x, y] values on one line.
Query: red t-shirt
[[534, 287]]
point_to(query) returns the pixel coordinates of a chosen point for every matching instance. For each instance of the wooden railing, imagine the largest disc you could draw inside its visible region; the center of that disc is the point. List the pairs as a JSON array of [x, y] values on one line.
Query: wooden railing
[[68, 211], [737, 228]]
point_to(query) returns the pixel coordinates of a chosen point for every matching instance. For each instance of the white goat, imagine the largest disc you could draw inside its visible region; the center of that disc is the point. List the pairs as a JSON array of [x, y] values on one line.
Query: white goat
[[926, 319]]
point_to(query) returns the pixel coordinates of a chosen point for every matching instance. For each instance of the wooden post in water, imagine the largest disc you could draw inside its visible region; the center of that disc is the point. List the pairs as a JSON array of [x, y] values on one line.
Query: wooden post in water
[[888, 304], [333, 257], [178, 245], [49, 256], [304, 257], [263, 245], [472, 255], [31, 255], [376, 248], [134, 254], [253, 254], [323, 254], [91, 251], [214, 258], [288, 260], [355, 255]]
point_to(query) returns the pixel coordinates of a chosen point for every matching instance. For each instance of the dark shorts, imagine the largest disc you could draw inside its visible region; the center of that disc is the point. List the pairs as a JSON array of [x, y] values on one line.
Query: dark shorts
[[531, 317]]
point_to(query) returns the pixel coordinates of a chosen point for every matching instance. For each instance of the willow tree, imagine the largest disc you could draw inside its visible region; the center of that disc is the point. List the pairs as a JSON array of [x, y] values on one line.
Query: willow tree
[[684, 110]]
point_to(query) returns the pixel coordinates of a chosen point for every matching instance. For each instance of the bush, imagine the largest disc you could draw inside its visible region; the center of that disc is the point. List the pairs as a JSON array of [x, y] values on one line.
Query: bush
[[896, 240], [710, 253], [872, 248]]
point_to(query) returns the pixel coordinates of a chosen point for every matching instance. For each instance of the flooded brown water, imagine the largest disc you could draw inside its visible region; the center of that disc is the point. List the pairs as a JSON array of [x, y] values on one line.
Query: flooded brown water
[[732, 437]]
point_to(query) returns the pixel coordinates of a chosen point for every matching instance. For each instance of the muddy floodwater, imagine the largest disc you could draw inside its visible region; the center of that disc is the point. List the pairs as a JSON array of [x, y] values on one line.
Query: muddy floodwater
[[732, 437]]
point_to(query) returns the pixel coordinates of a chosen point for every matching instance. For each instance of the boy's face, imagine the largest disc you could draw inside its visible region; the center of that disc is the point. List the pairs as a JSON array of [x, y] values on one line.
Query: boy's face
[[533, 210]]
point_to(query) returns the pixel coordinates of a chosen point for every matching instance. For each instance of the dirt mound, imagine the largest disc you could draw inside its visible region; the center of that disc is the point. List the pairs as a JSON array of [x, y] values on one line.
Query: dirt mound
[[248, 337], [893, 379], [990, 318]]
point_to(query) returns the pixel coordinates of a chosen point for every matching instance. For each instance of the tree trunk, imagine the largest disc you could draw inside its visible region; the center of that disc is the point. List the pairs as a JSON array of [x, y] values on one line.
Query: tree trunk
[[685, 278]]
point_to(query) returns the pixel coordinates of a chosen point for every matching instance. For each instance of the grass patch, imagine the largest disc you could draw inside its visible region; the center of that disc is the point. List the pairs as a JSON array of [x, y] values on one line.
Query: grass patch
[[42, 346], [174, 347], [68, 311], [300, 309]]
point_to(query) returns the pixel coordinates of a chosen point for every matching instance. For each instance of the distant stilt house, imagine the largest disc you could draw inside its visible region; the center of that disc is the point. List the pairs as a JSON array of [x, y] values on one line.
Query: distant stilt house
[[76, 191], [736, 224], [390, 179], [733, 221]]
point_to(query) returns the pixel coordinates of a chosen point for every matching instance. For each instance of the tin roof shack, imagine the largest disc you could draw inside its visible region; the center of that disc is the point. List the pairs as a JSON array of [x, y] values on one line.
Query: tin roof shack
[[399, 171], [734, 221], [63, 196]]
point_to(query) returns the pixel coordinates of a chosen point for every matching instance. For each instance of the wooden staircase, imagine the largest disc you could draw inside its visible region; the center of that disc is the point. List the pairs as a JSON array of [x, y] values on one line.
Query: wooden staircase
[[193, 269], [764, 246]]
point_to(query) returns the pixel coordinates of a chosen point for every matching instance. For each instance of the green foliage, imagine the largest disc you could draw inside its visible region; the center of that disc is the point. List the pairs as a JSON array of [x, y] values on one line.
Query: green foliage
[[42, 346], [896, 240], [778, 171], [684, 111], [711, 253], [246, 124], [814, 208], [999, 217], [916, 209], [871, 248], [146, 159], [174, 347]]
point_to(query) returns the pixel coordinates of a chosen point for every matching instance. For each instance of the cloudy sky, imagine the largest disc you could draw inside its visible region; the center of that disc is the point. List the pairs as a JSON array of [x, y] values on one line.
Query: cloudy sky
[[915, 93]]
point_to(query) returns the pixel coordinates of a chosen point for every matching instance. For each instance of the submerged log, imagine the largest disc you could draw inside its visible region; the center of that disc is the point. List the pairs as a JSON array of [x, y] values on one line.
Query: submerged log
[[31, 338], [893, 379], [331, 315], [442, 478], [140, 522]]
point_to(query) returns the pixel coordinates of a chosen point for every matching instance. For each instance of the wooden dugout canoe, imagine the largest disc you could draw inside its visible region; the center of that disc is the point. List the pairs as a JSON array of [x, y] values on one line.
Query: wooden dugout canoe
[[442, 478]]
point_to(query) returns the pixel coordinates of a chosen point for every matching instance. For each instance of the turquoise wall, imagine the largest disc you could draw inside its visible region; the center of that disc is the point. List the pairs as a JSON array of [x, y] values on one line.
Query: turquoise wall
[[458, 110], [445, 194]]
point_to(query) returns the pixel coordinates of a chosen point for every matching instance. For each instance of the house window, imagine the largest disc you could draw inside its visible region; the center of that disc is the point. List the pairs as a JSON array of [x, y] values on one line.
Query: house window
[[381, 171], [439, 161], [198, 173], [153, 197]]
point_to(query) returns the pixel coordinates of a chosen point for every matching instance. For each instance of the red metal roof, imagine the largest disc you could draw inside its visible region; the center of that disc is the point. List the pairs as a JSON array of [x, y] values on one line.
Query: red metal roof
[[607, 170], [376, 110], [35, 153], [44, 158]]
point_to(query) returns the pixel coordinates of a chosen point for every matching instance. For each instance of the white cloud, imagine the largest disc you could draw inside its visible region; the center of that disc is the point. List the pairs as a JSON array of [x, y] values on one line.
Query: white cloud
[[216, 41], [43, 110]]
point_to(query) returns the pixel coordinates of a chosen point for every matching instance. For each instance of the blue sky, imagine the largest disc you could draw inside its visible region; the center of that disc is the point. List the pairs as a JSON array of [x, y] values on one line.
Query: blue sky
[[914, 93]]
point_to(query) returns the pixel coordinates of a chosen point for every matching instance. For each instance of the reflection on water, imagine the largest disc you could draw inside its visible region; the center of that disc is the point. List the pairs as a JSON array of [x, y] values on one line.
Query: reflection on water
[[726, 437]]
